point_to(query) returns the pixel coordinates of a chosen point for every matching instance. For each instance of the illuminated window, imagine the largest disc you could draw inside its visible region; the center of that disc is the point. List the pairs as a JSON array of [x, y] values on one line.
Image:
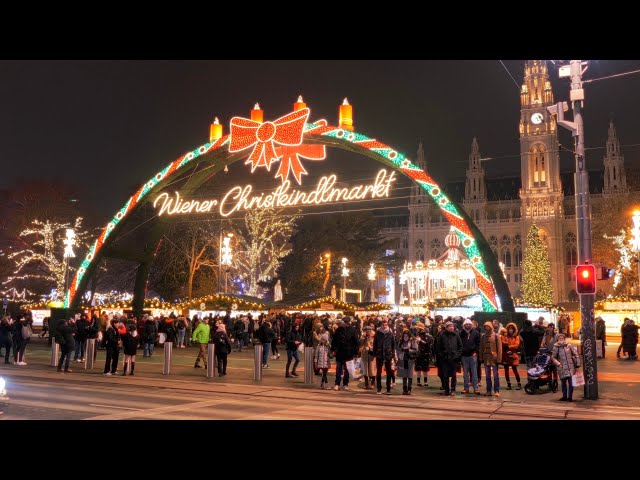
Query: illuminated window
[[570, 248], [538, 164]]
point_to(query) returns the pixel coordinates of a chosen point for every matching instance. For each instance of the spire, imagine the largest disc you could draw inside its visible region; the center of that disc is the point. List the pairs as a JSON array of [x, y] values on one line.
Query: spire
[[475, 189], [474, 157], [615, 179], [536, 87]]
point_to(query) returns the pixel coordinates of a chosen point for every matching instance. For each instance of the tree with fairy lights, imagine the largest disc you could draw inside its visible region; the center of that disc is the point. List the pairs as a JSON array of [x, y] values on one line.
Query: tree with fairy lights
[[40, 265], [625, 280], [262, 242], [536, 271]]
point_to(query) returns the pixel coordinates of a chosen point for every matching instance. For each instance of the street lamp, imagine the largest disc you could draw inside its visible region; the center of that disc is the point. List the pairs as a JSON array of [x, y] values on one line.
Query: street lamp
[[635, 240], [225, 258], [68, 253]]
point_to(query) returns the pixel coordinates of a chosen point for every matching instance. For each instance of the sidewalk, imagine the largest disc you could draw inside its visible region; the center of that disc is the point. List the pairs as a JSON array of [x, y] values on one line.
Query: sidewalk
[[619, 380]]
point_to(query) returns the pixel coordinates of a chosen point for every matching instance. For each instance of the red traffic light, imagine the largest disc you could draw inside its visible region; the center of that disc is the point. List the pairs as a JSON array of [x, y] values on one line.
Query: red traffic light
[[586, 279]]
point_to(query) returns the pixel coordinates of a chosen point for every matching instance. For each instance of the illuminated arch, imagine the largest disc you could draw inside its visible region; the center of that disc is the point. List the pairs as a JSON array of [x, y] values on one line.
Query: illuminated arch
[[472, 241]]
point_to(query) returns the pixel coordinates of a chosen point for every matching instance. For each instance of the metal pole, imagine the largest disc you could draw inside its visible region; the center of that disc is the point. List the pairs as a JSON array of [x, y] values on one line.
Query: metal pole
[[257, 362], [88, 358], [211, 360], [308, 365], [55, 353], [583, 220], [220, 261], [168, 350]]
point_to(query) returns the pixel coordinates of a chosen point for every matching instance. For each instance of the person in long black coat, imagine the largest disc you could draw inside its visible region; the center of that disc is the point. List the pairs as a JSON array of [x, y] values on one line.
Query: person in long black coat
[[223, 348], [425, 344], [111, 342], [530, 342], [130, 347], [630, 339]]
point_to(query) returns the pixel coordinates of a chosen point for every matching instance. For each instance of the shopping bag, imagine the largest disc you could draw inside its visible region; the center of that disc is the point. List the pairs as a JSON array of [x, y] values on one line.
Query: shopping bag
[[161, 338], [577, 379], [301, 348], [357, 368], [351, 368]]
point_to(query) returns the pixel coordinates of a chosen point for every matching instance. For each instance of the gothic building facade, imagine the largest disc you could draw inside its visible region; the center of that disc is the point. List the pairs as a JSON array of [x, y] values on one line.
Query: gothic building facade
[[505, 208]]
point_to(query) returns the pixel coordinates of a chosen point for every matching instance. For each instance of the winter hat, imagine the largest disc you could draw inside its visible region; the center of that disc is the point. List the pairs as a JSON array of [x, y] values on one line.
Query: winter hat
[[561, 336], [447, 324], [467, 322]]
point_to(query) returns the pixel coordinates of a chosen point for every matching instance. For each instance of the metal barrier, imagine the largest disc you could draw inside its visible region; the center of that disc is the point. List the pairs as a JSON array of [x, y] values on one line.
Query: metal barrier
[[211, 360], [168, 351], [308, 365], [257, 362], [55, 353], [89, 353]]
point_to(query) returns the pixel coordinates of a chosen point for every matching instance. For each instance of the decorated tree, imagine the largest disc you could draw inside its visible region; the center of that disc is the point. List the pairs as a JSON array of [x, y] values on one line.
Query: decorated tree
[[40, 263], [625, 279], [536, 271], [261, 243]]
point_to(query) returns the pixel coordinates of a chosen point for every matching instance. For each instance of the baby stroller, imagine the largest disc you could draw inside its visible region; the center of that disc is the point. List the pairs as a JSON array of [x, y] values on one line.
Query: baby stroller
[[541, 373]]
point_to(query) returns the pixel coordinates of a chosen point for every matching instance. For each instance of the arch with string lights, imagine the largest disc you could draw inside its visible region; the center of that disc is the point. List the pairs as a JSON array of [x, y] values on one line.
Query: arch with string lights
[[288, 141]]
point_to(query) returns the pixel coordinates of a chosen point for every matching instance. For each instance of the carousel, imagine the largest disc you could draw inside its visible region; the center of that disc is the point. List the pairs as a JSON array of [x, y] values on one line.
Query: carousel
[[447, 277]]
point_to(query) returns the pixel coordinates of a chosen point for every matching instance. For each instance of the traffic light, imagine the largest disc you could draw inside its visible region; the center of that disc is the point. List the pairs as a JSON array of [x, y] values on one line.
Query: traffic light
[[607, 273], [586, 279]]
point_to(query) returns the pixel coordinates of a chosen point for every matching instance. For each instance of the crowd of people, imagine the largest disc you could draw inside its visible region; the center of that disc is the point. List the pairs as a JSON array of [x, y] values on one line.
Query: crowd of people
[[401, 346]]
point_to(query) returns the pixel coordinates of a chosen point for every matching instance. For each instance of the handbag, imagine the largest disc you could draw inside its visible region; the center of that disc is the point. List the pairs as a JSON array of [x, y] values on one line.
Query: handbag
[[577, 379], [301, 348], [26, 331], [162, 337]]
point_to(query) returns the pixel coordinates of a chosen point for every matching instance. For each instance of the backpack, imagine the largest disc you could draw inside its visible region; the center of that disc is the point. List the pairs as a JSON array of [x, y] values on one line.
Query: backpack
[[26, 331]]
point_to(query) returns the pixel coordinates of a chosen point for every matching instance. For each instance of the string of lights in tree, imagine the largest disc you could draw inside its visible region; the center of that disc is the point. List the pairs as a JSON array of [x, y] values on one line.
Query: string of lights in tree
[[42, 252], [536, 271]]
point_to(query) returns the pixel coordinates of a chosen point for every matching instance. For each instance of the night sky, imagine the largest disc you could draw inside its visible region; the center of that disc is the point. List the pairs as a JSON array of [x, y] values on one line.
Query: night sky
[[110, 125]]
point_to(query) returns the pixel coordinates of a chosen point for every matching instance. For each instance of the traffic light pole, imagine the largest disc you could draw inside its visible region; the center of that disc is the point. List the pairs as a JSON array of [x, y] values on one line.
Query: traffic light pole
[[583, 219]]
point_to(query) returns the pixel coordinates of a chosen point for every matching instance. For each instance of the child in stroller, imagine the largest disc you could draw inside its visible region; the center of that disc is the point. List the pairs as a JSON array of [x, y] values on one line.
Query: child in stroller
[[541, 373]]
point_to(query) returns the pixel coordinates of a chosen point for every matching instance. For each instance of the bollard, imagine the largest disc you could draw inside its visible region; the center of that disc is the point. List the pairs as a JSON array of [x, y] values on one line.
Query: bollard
[[308, 365], [257, 361], [168, 349], [55, 354], [88, 356], [211, 360]]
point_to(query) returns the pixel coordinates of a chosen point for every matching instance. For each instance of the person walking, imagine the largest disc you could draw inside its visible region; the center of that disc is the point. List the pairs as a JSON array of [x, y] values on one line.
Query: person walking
[[238, 335], [449, 348], [130, 346], [510, 358], [567, 360], [407, 352], [345, 347], [294, 340], [112, 344], [201, 337], [470, 348], [223, 348], [425, 345], [321, 358], [491, 354], [384, 349]]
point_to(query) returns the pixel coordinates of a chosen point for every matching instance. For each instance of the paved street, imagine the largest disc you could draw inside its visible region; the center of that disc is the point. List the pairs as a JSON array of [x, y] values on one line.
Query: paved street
[[37, 391]]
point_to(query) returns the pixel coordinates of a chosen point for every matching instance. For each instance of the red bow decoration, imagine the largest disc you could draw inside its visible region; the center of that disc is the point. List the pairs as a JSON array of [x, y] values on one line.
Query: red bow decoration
[[247, 133], [291, 158]]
